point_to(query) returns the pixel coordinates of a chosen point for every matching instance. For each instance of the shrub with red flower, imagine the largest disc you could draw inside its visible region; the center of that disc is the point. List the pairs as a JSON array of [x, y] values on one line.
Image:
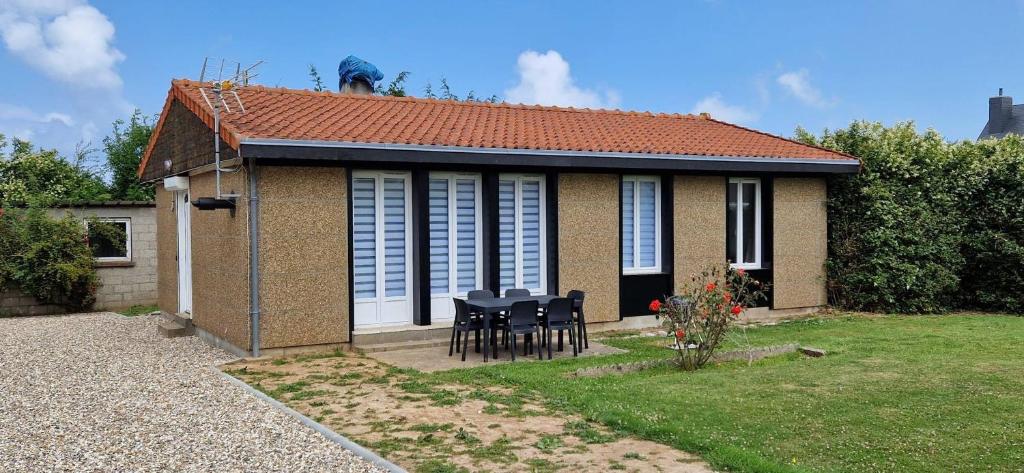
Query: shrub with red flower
[[700, 318]]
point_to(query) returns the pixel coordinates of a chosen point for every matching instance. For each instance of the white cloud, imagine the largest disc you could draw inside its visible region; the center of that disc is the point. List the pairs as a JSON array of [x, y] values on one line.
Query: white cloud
[[15, 112], [71, 43], [798, 83], [719, 110], [545, 79], [68, 40], [52, 129]]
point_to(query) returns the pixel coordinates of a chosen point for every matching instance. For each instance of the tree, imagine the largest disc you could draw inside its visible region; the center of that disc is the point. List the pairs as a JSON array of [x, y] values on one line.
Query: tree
[[314, 75], [39, 177], [124, 148], [396, 88], [447, 94]]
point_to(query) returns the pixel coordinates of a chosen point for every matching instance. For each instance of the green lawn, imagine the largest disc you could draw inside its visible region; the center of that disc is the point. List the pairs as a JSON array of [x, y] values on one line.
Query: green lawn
[[137, 310], [908, 393]]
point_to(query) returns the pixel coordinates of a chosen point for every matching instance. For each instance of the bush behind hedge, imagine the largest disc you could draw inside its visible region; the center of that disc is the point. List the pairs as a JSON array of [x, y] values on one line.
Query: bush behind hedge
[[47, 258], [928, 225]]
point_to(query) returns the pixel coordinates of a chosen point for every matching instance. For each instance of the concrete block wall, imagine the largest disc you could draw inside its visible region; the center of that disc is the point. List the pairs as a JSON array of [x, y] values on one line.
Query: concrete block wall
[[13, 302], [123, 285]]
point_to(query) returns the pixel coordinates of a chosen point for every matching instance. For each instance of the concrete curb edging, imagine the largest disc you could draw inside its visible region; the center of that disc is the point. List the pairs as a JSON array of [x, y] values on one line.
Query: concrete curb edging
[[331, 435]]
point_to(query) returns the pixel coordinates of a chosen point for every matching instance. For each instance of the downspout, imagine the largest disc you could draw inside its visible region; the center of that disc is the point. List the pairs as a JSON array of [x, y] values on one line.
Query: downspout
[[254, 260]]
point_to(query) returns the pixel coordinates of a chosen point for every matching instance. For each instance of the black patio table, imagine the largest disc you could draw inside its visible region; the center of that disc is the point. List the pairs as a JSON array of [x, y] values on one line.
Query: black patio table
[[493, 305]]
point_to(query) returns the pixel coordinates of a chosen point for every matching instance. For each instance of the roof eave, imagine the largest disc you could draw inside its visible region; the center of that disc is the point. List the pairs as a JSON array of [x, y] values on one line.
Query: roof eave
[[285, 149]]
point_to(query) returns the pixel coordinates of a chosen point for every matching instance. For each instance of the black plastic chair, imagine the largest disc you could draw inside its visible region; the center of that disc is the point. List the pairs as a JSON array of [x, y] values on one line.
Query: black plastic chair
[[476, 294], [480, 294], [517, 293], [522, 320], [524, 293], [464, 323], [559, 317], [499, 323], [581, 321]]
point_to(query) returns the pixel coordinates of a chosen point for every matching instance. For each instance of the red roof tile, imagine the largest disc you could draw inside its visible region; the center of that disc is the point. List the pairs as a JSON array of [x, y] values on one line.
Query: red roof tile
[[278, 113]]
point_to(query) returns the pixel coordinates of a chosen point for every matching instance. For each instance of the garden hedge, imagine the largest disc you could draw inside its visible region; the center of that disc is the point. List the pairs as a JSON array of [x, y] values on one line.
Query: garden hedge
[[927, 225]]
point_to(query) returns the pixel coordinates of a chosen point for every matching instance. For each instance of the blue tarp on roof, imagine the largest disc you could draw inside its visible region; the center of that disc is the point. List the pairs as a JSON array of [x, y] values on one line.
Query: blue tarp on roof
[[352, 68]]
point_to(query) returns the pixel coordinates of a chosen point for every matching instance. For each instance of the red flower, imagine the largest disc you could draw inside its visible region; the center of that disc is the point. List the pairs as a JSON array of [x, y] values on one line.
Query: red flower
[[736, 310], [710, 287], [741, 272], [680, 334], [727, 297], [655, 306]]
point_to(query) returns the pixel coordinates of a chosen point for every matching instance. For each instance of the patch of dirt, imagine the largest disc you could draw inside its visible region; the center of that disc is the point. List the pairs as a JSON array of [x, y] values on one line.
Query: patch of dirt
[[428, 427]]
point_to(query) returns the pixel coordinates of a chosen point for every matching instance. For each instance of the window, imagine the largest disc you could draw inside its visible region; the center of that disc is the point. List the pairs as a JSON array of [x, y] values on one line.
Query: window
[[641, 224], [110, 239], [743, 227], [521, 233], [379, 236]]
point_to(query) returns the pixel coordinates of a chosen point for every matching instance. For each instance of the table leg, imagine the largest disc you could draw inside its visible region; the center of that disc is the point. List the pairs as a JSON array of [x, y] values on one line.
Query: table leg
[[487, 334], [581, 337]]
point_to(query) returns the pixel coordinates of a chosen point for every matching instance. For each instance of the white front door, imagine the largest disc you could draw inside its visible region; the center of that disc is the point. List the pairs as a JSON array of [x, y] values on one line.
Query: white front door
[[382, 248], [181, 205], [455, 227]]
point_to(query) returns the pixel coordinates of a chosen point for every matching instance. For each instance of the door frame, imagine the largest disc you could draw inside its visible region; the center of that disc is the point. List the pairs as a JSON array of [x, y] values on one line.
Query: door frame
[[183, 239], [380, 300], [445, 300], [518, 179]]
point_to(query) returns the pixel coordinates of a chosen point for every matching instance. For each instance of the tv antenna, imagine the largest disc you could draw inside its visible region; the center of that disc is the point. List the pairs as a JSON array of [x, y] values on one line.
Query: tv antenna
[[223, 93]]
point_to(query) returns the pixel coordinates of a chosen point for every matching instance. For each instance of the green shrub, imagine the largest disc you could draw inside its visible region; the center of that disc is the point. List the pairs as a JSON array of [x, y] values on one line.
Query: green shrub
[[927, 225], [894, 232], [993, 210], [47, 258]]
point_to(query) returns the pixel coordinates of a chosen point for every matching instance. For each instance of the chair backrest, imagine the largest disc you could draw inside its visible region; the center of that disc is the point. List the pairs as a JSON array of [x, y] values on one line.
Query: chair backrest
[[461, 311], [576, 295], [480, 294], [523, 313], [517, 293], [560, 309]]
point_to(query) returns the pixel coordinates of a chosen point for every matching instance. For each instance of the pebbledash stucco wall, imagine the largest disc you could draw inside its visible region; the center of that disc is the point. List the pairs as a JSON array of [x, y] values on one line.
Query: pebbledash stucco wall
[[699, 218], [220, 260], [166, 250], [800, 242], [303, 254], [588, 241]]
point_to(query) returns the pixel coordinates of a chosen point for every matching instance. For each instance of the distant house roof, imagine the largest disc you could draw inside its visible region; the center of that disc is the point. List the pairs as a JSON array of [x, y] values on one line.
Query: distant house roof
[[1013, 122], [278, 116]]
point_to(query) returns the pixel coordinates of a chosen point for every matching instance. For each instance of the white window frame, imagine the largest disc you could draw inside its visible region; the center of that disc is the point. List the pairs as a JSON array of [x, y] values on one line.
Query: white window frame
[[739, 181], [519, 179], [379, 177], [636, 180], [453, 260], [127, 239]]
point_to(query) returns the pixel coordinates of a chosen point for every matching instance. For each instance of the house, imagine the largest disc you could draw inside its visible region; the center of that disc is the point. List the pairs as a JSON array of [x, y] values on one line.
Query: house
[[345, 216], [1003, 117]]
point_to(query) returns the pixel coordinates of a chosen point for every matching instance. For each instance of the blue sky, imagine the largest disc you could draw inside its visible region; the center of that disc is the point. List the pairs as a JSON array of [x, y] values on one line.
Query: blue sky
[[69, 67]]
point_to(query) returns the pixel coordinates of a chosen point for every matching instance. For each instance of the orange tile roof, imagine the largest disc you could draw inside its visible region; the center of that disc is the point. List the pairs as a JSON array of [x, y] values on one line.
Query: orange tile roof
[[278, 113]]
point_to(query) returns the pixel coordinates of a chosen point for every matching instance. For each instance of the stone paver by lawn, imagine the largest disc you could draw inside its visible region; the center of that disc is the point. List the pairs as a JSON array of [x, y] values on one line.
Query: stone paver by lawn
[[103, 392]]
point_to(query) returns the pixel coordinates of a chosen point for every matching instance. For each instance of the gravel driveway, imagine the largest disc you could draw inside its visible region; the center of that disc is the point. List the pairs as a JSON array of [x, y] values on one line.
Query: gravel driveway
[[105, 392]]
